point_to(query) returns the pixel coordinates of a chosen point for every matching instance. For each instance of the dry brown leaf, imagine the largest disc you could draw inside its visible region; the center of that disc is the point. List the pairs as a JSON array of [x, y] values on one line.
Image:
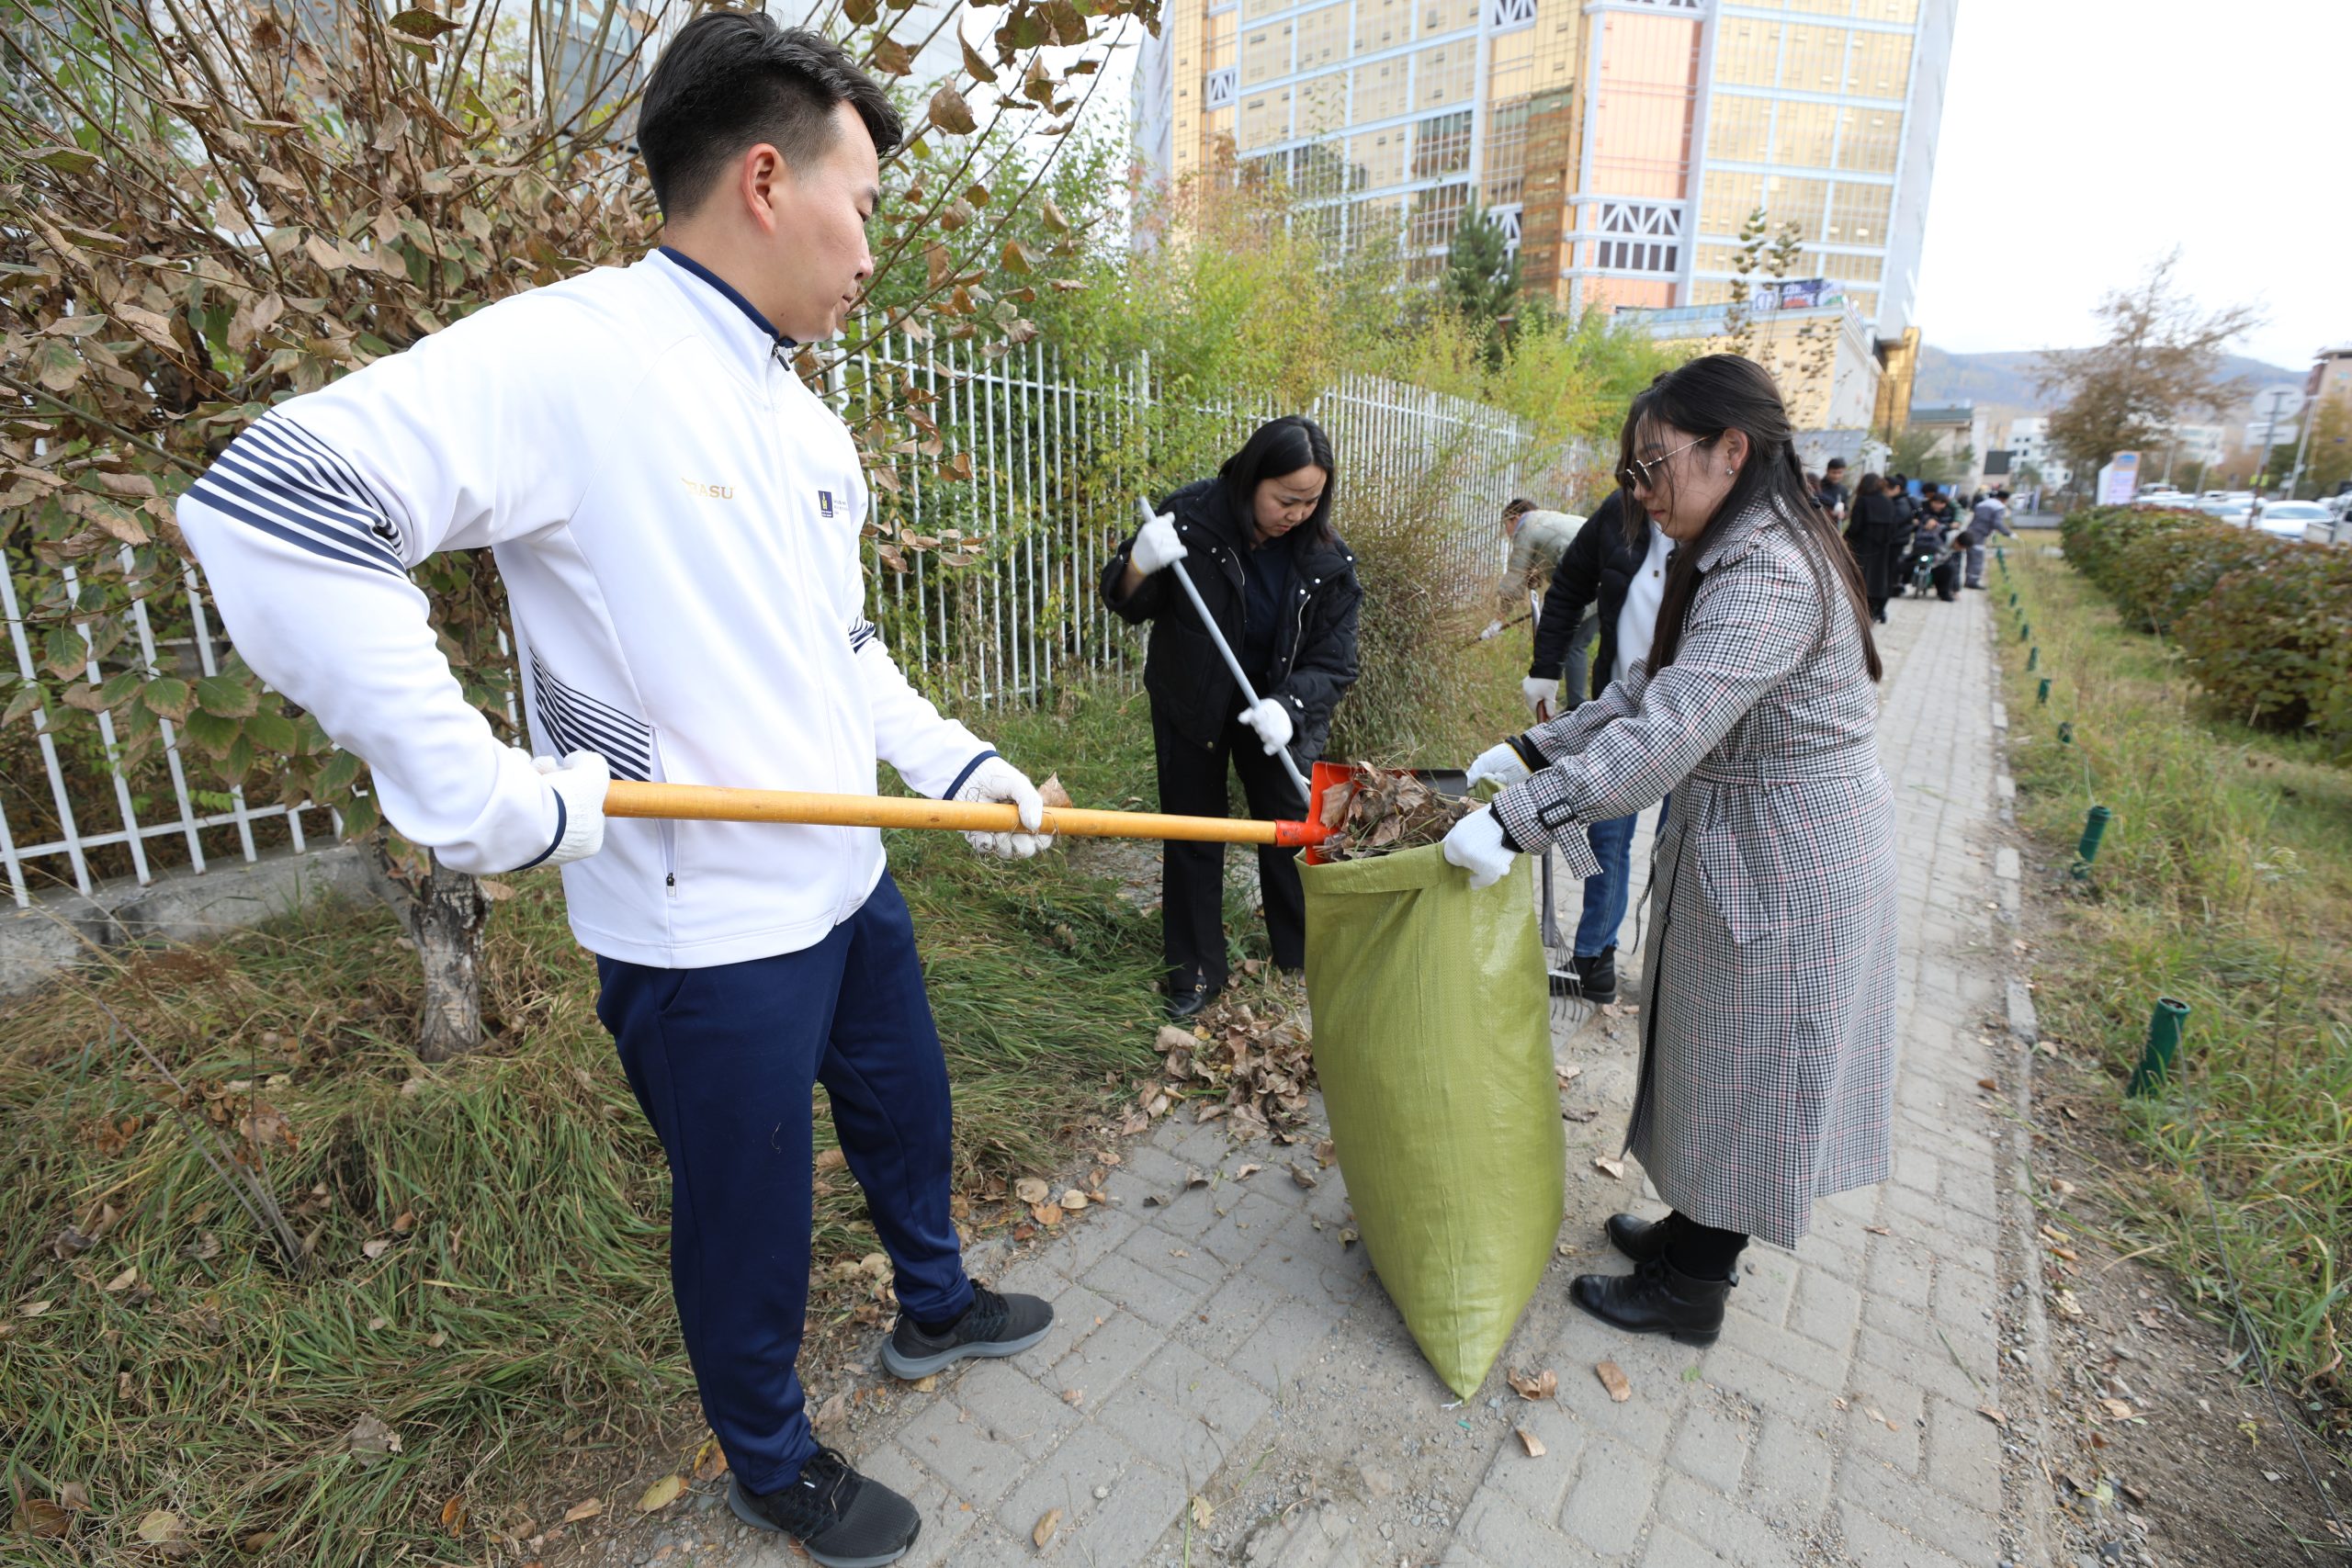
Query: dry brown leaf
[[1612, 1378], [1325, 1153], [661, 1494], [1878, 1230], [1046, 1214], [2118, 1409], [1053, 793], [1993, 1414], [1531, 1443], [925, 1385], [43, 1519], [1073, 1397], [711, 1460], [1247, 1171], [1202, 1512], [1031, 1190], [586, 1508], [1073, 1200], [1194, 1177], [370, 1440], [829, 1160], [834, 1411], [374, 1248], [1990, 1084], [1047, 1523], [1302, 1176], [162, 1527], [122, 1281], [453, 1514], [1348, 1236], [1534, 1385], [1612, 1168]]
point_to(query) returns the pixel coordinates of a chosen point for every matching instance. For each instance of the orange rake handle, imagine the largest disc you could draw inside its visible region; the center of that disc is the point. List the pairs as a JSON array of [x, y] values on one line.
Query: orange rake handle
[[712, 802]]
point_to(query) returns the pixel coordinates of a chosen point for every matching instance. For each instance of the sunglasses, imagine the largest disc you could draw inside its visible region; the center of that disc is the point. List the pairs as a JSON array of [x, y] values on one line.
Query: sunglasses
[[1641, 474]]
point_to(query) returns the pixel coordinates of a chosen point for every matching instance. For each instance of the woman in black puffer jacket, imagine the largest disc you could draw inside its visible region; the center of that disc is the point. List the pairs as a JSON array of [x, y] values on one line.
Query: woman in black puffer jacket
[[1258, 543]]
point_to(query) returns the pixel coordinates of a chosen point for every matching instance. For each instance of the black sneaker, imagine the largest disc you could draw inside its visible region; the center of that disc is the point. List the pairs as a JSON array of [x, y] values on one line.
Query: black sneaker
[[992, 1325], [1597, 976], [840, 1518]]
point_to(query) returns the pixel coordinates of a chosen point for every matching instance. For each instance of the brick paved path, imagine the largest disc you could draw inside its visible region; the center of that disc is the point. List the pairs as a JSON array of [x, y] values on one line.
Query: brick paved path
[[1219, 1343]]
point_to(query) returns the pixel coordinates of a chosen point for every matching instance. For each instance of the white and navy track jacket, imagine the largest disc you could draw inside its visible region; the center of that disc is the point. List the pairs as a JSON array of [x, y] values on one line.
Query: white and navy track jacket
[[676, 518]]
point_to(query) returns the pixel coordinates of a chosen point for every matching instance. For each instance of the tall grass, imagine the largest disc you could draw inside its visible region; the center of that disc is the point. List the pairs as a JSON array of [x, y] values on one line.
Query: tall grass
[[513, 1326], [2225, 881]]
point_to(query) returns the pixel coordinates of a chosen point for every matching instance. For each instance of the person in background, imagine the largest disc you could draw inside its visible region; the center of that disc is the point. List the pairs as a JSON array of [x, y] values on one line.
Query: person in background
[[711, 632], [1538, 538], [1832, 494], [1257, 540], [1617, 563], [1989, 516], [1766, 1073], [1874, 537]]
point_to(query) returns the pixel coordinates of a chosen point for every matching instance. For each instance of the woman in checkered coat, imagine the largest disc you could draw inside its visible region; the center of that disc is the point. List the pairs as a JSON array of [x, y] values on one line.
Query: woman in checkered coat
[[1768, 1030]]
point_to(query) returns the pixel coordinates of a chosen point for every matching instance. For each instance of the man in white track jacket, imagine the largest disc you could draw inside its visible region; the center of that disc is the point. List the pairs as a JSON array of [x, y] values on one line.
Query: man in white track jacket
[[676, 519]]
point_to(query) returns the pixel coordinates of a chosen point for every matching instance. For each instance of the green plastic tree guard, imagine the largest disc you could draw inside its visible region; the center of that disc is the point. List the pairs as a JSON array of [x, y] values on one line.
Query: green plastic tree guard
[[2094, 829], [2025, 631], [2162, 1049], [2042, 693], [2067, 732], [2032, 658]]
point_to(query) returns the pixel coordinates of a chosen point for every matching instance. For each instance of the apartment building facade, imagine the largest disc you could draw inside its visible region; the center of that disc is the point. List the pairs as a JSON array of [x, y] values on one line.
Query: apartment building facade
[[1621, 144]]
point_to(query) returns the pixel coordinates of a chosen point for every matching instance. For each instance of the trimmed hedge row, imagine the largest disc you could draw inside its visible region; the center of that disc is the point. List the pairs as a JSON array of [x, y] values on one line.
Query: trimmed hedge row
[[2266, 623]]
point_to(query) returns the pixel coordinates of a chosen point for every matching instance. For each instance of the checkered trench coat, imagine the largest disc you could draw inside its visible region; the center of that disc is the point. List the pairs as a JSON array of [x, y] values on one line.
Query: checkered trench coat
[[1767, 1060]]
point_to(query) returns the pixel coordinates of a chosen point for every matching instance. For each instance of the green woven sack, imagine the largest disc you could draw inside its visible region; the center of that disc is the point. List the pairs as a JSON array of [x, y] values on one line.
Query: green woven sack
[[1433, 1044]]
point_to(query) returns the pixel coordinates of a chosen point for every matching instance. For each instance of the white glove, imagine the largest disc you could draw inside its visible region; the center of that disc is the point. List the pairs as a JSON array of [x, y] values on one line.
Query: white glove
[[1475, 844], [1272, 723], [998, 780], [1501, 764], [579, 782], [1156, 544], [1490, 631], [1542, 697]]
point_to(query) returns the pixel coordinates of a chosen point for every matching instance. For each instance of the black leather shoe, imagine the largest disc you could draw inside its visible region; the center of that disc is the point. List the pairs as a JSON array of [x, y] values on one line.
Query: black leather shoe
[[1639, 1239], [1597, 976], [1656, 1298], [840, 1518], [1186, 1001]]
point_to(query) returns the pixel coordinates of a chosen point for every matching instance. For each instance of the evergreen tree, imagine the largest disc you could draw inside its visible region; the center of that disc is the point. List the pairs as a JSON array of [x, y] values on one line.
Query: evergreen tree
[[1481, 281]]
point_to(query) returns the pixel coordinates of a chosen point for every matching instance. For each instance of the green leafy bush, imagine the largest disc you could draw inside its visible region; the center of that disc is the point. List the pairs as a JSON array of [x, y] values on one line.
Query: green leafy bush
[[2266, 623], [2164, 573], [2273, 641]]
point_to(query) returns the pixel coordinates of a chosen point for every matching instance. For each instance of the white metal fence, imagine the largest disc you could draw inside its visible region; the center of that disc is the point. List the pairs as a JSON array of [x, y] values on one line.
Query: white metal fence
[[1058, 454]]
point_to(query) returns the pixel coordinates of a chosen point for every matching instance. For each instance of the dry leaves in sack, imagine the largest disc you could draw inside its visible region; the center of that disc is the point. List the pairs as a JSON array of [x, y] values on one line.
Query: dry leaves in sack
[[1375, 811]]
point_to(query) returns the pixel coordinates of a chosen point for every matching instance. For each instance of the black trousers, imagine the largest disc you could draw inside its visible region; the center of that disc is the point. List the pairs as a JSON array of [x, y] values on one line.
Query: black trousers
[[1700, 1251], [1192, 876]]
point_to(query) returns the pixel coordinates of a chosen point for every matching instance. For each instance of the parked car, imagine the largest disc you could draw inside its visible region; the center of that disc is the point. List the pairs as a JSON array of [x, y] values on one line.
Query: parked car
[[2280, 519]]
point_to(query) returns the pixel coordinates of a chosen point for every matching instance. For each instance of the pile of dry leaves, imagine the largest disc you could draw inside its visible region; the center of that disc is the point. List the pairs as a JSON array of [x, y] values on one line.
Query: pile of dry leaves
[[1244, 1060], [1377, 810]]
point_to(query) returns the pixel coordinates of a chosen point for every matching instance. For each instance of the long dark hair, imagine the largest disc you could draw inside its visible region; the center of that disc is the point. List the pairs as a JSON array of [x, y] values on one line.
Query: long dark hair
[[1277, 448], [1708, 398]]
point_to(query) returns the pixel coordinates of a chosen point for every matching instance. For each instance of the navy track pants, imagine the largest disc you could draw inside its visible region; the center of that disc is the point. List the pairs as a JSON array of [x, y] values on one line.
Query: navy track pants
[[723, 1060]]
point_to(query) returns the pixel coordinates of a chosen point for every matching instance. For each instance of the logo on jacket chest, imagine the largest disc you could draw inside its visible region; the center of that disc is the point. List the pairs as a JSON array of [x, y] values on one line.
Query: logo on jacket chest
[[824, 503], [707, 491]]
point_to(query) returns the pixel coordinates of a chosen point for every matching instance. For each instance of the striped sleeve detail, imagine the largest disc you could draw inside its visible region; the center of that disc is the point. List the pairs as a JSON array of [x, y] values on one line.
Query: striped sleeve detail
[[861, 632], [574, 721], [283, 480]]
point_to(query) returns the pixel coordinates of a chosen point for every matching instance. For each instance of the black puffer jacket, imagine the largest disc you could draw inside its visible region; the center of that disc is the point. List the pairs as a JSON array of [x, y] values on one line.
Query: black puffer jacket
[[1315, 648], [1599, 567]]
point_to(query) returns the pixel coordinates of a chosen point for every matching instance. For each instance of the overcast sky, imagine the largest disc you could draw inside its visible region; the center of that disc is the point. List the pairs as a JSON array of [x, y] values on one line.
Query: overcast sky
[[2081, 140]]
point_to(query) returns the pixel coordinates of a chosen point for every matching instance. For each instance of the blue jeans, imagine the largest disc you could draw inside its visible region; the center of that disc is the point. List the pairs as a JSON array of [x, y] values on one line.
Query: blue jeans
[[1607, 893]]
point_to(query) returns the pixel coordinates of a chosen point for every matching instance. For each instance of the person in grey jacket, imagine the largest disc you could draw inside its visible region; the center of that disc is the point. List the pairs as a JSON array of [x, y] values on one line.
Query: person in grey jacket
[[1538, 539], [1767, 1058], [1990, 516]]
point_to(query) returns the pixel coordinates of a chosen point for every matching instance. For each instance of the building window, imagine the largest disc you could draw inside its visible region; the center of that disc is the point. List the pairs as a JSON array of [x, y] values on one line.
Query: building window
[[1637, 256], [1436, 212], [1441, 145], [1638, 236], [1218, 89], [1506, 217]]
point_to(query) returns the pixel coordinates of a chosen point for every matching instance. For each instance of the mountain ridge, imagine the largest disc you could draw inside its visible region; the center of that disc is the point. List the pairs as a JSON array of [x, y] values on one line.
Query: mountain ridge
[[2005, 378]]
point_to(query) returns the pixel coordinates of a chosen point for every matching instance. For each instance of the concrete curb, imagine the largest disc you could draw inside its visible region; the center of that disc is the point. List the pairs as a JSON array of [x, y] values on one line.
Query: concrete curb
[[2021, 1216], [65, 928]]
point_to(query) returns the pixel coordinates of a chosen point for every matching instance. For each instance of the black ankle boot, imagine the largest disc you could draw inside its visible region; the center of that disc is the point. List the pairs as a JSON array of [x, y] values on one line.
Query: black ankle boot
[[1656, 1298], [1639, 1239], [1597, 976]]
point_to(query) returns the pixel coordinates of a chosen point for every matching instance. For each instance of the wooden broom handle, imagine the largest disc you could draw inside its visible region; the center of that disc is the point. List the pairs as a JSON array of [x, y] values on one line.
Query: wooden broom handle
[[712, 802]]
